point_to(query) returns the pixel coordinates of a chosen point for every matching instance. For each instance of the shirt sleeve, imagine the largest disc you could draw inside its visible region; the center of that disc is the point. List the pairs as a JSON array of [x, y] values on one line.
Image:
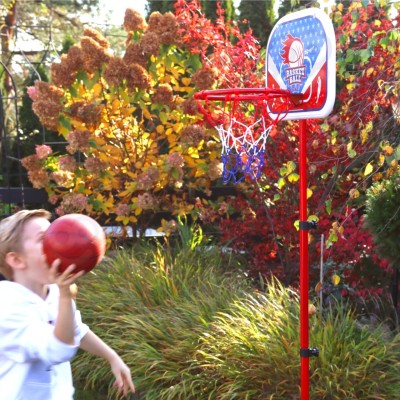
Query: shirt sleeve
[[27, 336], [81, 329]]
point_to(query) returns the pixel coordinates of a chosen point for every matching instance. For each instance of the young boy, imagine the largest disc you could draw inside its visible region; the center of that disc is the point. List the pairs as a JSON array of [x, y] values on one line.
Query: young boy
[[40, 328]]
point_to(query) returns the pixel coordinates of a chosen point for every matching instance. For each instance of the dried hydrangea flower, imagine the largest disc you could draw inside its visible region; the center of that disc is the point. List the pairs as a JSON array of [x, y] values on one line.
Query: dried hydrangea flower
[[134, 21]]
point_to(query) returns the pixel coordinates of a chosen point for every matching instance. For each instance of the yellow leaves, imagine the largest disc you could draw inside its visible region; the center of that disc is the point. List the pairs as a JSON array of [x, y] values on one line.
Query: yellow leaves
[[127, 112], [109, 151], [335, 279], [354, 193], [78, 125], [115, 106], [62, 130], [109, 183], [377, 177], [388, 150], [126, 219], [184, 209], [364, 136], [287, 171], [369, 71], [368, 169], [96, 90], [334, 233], [194, 153], [146, 113], [190, 162], [291, 166], [293, 177], [364, 132], [184, 88], [175, 70], [130, 187], [104, 204], [309, 193], [337, 227], [177, 127], [350, 151], [172, 139]]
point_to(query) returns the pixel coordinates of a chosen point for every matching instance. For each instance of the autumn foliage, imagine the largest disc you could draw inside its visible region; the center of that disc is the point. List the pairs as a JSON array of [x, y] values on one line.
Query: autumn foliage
[[355, 146], [136, 144], [133, 146]]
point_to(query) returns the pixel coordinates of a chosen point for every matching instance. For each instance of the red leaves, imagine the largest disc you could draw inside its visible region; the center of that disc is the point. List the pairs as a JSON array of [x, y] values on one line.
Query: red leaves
[[261, 223], [213, 42]]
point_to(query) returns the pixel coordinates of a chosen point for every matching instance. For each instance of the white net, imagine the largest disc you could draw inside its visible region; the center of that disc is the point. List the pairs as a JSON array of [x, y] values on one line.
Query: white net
[[241, 118], [243, 148]]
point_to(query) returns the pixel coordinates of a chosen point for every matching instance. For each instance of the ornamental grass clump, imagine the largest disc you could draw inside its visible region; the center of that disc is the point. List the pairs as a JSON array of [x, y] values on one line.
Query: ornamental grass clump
[[252, 352], [356, 361], [154, 306], [191, 330]]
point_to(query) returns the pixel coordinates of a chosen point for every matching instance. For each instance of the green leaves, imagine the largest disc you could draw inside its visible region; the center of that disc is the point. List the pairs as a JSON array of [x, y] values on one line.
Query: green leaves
[[287, 171], [357, 56], [364, 55], [350, 151]]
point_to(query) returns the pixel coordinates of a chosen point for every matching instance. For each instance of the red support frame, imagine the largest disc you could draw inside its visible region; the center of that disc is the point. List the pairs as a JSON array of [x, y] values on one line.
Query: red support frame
[[264, 94], [304, 326]]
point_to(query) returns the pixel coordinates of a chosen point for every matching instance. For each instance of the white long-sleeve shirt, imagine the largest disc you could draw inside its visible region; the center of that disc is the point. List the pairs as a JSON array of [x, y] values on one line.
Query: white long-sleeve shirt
[[34, 364]]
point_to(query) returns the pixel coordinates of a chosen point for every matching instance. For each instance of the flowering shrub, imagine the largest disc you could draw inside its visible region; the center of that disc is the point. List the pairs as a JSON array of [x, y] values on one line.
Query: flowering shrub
[[133, 145]]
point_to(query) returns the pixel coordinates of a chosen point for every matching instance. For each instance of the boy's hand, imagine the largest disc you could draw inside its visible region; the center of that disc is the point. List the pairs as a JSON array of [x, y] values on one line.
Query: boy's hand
[[123, 380], [64, 279], [94, 345]]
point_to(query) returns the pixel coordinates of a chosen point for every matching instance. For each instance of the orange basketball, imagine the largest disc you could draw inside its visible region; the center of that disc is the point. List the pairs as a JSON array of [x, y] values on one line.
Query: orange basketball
[[75, 239]]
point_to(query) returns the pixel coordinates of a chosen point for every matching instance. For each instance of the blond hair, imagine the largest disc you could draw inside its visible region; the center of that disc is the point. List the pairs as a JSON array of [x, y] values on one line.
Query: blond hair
[[11, 230]]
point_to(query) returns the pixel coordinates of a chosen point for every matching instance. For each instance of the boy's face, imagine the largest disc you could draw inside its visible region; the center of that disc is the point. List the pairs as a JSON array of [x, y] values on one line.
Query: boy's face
[[32, 254]]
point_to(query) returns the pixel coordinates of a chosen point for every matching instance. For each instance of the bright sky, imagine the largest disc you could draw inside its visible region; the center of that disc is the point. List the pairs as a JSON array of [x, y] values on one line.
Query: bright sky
[[115, 9], [116, 14]]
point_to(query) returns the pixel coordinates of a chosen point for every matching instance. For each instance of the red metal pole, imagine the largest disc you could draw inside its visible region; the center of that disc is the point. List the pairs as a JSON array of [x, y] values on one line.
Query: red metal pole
[[304, 333]]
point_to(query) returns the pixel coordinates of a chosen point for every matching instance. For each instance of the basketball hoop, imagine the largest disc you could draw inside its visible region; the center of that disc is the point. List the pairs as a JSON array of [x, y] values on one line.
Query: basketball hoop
[[301, 84], [241, 118]]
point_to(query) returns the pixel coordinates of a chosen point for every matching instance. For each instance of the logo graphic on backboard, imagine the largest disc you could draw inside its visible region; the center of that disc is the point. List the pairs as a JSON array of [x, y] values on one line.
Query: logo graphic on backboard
[[301, 58], [293, 56]]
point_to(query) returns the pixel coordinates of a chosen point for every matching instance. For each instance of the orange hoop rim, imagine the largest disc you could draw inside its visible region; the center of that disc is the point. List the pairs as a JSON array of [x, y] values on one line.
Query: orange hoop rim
[[233, 97], [256, 94], [227, 109]]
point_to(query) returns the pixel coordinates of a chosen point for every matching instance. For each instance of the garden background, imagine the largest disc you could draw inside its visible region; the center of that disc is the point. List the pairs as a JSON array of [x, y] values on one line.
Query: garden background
[[103, 122]]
